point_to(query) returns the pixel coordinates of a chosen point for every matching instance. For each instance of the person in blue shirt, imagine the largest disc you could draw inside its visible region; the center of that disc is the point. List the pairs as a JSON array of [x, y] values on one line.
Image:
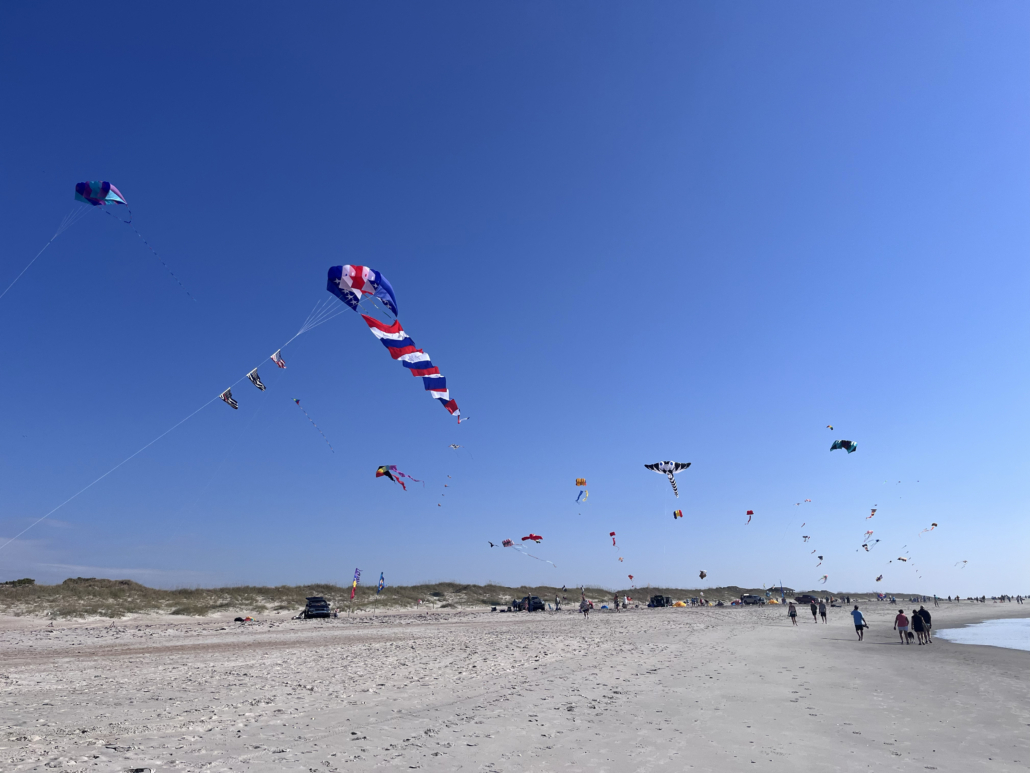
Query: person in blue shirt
[[860, 622]]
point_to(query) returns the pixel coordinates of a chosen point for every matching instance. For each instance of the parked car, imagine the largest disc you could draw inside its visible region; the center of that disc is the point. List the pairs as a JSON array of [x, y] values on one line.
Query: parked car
[[316, 607], [749, 599], [806, 598], [532, 604], [660, 601]]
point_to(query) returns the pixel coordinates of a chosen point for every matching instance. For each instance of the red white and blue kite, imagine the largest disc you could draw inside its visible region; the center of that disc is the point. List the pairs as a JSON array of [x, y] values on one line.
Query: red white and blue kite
[[352, 285]]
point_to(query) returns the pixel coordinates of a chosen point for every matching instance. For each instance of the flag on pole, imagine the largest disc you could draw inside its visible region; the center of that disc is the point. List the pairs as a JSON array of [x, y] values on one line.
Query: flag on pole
[[354, 586], [227, 397], [255, 379], [382, 584], [277, 358]]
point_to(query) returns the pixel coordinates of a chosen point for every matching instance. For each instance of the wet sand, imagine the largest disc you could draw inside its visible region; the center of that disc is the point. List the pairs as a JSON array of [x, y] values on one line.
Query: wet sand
[[677, 689]]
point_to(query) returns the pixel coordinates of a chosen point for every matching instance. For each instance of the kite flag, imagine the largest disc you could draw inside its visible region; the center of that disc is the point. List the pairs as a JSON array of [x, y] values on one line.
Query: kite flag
[[702, 574], [382, 583], [227, 397], [531, 536], [354, 585], [581, 481], [668, 468], [99, 193], [848, 445], [277, 358], [351, 284], [255, 379], [749, 514], [583, 495], [320, 432], [677, 514]]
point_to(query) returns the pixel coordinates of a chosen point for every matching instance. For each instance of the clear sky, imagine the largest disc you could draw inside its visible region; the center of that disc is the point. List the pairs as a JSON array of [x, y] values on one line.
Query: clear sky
[[625, 232]]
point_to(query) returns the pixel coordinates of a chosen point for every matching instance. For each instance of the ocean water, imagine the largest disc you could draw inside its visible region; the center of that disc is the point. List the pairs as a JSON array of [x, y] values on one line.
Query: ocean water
[[1013, 633]]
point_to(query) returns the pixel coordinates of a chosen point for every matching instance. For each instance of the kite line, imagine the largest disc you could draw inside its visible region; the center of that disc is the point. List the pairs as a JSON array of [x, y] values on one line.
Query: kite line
[[69, 220], [308, 325]]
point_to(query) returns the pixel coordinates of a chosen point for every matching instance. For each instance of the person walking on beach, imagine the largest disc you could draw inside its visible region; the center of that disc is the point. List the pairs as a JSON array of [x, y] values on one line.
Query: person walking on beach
[[615, 602], [926, 623], [793, 612], [822, 610], [901, 625], [918, 627], [936, 601], [815, 611], [860, 622]]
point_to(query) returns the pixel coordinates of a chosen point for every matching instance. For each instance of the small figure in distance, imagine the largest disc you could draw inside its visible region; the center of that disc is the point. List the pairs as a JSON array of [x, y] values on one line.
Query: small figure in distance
[[901, 625], [822, 610], [815, 611], [860, 622], [793, 612]]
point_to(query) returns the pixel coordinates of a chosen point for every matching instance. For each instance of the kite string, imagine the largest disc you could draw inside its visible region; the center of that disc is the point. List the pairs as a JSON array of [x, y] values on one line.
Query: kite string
[[137, 453], [126, 459], [67, 222], [320, 432]]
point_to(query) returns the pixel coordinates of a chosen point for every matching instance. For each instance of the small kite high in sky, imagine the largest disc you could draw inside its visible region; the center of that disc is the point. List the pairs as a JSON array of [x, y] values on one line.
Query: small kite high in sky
[[390, 471], [824, 578], [931, 528], [702, 574], [829, 426], [848, 445], [963, 563], [583, 496], [903, 559], [677, 514], [805, 537], [534, 537], [668, 468], [630, 576], [581, 482], [507, 543], [749, 513], [879, 577], [612, 535], [872, 512]]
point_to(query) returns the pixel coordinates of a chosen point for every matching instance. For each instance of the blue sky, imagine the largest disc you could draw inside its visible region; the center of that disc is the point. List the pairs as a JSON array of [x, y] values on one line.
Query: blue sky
[[626, 233]]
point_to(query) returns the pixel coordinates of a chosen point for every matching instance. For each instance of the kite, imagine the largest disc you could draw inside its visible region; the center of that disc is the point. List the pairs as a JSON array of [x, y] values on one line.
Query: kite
[[277, 358], [255, 379], [848, 445], [531, 536], [824, 578], [803, 525], [536, 538], [879, 577], [903, 559], [320, 432], [808, 500], [749, 514], [932, 527], [455, 446], [702, 574], [668, 468], [354, 586], [867, 535], [630, 576], [581, 481], [819, 557], [805, 537], [962, 562], [507, 543], [351, 284], [491, 544], [872, 512], [583, 495], [677, 514], [390, 471], [797, 504], [612, 535], [227, 397], [620, 558], [829, 426]]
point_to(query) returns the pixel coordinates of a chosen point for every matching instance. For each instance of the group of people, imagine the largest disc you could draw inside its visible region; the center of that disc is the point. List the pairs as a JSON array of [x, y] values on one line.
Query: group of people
[[920, 625]]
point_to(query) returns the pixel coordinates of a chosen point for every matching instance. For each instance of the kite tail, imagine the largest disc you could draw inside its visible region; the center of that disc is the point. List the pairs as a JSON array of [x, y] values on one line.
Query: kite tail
[[320, 432], [156, 255], [672, 480]]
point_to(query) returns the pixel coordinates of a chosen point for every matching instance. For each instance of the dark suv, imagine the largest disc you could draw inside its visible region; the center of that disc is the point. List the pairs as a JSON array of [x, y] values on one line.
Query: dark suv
[[532, 604], [806, 598], [316, 607], [660, 601]]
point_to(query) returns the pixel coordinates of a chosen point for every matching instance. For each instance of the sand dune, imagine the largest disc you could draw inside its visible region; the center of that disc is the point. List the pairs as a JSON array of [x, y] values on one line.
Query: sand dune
[[708, 689]]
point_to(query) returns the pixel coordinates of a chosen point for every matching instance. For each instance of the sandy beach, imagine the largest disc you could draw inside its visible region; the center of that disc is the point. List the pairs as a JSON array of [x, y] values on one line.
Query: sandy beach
[[705, 689]]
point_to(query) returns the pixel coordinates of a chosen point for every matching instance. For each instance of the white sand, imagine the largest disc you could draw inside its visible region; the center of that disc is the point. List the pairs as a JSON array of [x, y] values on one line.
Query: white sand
[[715, 689]]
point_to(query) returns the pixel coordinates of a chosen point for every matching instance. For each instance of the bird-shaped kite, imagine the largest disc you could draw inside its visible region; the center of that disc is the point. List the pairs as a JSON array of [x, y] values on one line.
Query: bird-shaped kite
[[492, 544], [531, 536], [668, 468]]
